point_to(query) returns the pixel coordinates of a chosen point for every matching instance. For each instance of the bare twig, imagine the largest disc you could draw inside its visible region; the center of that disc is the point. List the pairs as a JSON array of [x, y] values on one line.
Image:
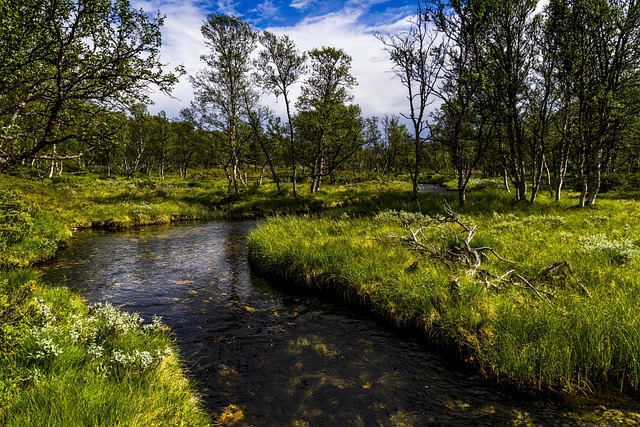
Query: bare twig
[[465, 252], [526, 282]]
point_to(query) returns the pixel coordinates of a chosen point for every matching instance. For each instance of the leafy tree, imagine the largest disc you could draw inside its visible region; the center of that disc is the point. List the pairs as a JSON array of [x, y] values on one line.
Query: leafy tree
[[330, 128], [465, 126], [259, 118], [373, 142], [282, 65], [137, 139], [186, 143], [221, 88], [595, 51], [509, 52], [397, 145], [610, 85], [63, 64], [415, 54]]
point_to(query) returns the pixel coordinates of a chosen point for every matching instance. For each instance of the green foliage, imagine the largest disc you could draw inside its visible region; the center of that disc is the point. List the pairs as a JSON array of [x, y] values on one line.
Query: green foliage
[[15, 218], [328, 129], [619, 252], [62, 110], [65, 363]]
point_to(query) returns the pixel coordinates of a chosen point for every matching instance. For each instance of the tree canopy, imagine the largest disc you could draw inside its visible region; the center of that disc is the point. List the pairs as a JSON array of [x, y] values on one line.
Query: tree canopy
[[65, 65]]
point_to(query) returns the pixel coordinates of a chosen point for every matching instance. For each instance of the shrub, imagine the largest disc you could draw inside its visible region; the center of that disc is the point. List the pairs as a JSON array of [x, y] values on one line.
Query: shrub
[[618, 252], [15, 219]]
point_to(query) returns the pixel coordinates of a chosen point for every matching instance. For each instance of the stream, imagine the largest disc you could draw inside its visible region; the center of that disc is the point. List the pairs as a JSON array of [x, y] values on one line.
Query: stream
[[290, 360]]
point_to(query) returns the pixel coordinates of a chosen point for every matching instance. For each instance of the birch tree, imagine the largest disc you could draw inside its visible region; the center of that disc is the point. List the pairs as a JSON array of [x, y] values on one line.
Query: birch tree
[[221, 88], [415, 54], [281, 66], [331, 128], [63, 64]]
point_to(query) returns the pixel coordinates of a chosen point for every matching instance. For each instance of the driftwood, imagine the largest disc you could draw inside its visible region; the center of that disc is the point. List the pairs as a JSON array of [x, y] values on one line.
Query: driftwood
[[472, 256]]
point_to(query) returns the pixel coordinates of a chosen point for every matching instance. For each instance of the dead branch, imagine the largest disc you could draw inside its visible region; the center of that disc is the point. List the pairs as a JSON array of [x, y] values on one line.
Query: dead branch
[[486, 248], [465, 252], [526, 282]]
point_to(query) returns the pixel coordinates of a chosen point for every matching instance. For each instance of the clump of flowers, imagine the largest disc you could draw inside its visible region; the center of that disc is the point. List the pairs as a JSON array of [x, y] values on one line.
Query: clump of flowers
[[99, 333], [619, 252], [46, 348]]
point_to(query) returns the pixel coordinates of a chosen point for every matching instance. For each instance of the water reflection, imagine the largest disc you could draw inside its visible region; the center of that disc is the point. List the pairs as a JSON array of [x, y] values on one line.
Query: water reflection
[[261, 357]]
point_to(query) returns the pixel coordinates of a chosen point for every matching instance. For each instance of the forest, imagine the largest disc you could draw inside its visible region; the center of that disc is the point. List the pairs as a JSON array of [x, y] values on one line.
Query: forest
[[540, 101]]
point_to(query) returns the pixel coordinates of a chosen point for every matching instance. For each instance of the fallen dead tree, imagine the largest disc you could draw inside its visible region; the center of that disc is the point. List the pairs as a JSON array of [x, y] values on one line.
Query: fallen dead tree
[[463, 250]]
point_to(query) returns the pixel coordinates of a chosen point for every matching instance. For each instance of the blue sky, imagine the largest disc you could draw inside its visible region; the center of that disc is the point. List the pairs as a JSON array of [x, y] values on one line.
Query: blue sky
[[349, 25], [268, 13]]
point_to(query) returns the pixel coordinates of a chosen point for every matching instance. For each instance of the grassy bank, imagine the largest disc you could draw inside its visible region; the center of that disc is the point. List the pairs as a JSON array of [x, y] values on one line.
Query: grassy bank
[[558, 311], [54, 207], [66, 363]]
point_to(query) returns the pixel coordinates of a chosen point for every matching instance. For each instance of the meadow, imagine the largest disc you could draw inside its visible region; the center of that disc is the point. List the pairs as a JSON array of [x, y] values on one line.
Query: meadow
[[64, 362]]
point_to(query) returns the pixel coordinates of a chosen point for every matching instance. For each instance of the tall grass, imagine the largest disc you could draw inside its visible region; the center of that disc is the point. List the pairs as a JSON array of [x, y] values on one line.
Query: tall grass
[[573, 326], [63, 363]]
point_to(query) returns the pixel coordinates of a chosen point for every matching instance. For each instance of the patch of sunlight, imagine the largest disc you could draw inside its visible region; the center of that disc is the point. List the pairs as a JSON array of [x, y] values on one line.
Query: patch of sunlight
[[226, 370], [392, 379], [621, 418], [521, 418], [463, 405], [489, 409], [231, 415], [404, 419], [181, 282], [313, 343]]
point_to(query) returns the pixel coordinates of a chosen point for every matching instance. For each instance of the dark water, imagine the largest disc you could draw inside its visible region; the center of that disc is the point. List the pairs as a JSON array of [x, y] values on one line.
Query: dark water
[[286, 360]]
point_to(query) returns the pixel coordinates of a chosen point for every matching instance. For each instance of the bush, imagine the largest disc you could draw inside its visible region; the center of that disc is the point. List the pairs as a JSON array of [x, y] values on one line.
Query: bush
[[619, 253], [15, 219]]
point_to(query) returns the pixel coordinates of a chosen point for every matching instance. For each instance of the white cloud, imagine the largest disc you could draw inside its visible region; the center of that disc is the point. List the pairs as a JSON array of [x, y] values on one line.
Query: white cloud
[[182, 44], [301, 4], [267, 10], [378, 92], [227, 7]]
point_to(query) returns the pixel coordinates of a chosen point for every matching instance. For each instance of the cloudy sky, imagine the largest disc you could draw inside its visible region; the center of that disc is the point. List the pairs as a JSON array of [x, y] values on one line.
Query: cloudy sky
[[349, 25]]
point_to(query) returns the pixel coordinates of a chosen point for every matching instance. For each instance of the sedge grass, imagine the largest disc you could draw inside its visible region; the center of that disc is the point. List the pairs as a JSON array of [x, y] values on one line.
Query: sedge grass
[[578, 330], [49, 374], [64, 363]]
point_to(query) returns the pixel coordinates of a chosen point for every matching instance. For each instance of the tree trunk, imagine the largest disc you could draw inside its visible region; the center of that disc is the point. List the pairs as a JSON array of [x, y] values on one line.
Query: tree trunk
[[505, 179], [593, 176], [416, 168]]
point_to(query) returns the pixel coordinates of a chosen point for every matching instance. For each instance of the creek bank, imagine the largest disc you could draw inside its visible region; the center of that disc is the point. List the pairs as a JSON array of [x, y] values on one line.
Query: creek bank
[[510, 333], [333, 291], [287, 359]]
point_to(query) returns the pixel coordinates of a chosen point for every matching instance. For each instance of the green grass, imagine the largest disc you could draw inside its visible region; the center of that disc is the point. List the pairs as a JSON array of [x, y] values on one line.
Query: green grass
[[50, 375], [579, 331], [64, 363]]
